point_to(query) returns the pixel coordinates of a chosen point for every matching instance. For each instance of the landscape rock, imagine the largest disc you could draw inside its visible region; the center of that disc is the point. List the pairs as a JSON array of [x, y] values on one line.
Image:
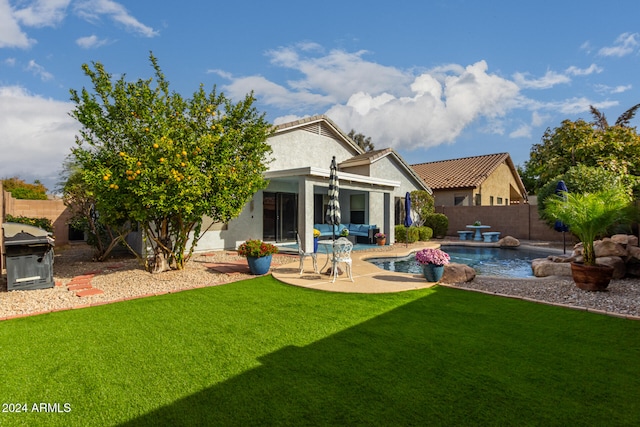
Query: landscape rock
[[618, 264], [508, 242], [633, 252], [625, 239], [544, 267], [608, 248], [457, 273]]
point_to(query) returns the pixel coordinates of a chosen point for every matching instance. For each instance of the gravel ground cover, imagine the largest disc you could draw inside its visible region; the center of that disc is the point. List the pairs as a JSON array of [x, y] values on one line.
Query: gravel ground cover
[[123, 278]]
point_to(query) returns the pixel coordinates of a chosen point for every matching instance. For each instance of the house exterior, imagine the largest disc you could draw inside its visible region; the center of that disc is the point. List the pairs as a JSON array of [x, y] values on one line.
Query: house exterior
[[489, 180], [371, 185]]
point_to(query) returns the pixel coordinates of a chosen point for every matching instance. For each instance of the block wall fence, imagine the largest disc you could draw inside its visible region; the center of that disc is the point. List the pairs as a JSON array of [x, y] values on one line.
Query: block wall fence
[[520, 221], [53, 209]]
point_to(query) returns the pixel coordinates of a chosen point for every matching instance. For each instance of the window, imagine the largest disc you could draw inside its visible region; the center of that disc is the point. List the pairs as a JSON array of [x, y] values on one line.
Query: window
[[478, 199], [491, 200], [460, 200], [499, 200]]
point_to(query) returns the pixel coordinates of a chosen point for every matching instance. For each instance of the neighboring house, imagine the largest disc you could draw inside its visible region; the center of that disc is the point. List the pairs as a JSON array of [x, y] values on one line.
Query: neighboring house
[[371, 185], [488, 180]]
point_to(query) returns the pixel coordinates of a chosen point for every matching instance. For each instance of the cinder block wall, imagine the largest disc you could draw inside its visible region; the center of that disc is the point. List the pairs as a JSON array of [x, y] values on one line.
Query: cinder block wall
[[53, 209], [520, 221]]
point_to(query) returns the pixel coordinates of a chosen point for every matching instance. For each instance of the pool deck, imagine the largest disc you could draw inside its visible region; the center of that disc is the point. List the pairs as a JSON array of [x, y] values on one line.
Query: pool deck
[[367, 278]]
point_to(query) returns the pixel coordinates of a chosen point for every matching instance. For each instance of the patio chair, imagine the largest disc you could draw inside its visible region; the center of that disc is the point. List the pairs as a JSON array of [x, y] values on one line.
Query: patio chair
[[304, 254], [341, 253]]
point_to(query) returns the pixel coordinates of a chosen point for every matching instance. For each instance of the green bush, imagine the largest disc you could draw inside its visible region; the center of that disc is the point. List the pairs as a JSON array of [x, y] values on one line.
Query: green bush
[[413, 234], [44, 223], [401, 233], [19, 189], [439, 223], [425, 233]]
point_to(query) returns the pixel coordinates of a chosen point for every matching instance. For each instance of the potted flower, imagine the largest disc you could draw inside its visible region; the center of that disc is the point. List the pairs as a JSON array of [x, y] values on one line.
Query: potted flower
[[432, 262], [589, 216], [477, 223], [381, 239], [258, 255], [344, 232]]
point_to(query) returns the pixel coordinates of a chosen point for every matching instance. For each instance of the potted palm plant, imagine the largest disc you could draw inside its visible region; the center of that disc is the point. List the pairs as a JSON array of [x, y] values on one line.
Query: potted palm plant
[[258, 255], [589, 216]]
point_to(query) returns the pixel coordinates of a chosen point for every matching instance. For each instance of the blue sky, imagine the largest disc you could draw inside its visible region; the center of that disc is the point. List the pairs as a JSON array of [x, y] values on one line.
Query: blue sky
[[432, 79]]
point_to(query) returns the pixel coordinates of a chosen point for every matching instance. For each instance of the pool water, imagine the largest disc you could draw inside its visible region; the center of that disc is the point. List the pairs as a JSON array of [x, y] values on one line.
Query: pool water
[[506, 262]]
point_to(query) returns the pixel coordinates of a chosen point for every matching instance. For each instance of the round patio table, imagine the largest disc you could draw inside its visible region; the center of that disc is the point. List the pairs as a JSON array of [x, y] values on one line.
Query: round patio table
[[478, 236]]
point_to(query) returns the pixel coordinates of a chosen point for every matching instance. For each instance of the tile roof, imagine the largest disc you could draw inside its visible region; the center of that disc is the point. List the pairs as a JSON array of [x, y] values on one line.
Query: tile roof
[[467, 172]]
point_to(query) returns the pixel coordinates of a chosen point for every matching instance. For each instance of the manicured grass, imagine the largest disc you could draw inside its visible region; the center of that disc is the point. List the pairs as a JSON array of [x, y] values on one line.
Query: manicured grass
[[262, 353]]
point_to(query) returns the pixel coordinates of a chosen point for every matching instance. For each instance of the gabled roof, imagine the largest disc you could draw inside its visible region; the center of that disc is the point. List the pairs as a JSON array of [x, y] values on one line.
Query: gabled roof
[[467, 172], [373, 156], [321, 125]]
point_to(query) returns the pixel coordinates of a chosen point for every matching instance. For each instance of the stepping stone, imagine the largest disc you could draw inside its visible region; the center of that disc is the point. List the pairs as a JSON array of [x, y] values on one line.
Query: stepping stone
[[79, 286], [230, 267], [89, 292]]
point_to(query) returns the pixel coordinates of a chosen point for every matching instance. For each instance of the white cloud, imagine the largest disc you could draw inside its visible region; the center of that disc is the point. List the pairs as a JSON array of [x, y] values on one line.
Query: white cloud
[[523, 131], [433, 115], [538, 119], [43, 13], [92, 10], [593, 68], [550, 79], [11, 62], [91, 41], [11, 35], [625, 44], [37, 135], [613, 89], [39, 70], [579, 105]]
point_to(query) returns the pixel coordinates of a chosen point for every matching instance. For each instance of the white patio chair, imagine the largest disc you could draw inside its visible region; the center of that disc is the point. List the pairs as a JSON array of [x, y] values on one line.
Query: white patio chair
[[304, 254], [341, 253]]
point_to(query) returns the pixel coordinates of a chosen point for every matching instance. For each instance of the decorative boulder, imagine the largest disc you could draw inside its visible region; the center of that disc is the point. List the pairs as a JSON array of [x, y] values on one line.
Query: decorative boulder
[[625, 239], [618, 264], [508, 242], [607, 248], [543, 267], [633, 252], [457, 273]]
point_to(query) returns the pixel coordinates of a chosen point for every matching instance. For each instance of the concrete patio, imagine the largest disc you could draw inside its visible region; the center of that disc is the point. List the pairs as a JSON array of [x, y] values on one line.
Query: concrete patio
[[367, 278]]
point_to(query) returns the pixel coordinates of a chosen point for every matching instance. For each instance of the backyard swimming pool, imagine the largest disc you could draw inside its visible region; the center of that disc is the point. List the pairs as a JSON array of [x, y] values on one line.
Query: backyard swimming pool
[[507, 262]]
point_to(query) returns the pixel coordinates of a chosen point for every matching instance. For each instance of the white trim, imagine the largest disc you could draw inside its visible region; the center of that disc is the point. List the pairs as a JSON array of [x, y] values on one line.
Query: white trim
[[324, 173]]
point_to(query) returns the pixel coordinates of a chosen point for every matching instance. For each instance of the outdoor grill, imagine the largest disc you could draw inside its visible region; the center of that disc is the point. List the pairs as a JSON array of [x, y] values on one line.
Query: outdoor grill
[[29, 257]]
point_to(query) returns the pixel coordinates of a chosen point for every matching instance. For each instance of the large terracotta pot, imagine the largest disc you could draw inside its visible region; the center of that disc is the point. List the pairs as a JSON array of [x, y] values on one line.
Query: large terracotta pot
[[259, 265], [381, 241], [591, 277]]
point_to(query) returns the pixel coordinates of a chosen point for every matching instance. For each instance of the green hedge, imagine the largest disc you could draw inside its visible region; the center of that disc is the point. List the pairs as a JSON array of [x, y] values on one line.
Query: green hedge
[[414, 234], [439, 223], [44, 223]]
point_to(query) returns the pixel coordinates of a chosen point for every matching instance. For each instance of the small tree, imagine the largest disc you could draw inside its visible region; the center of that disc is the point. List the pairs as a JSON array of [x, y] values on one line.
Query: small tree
[[363, 142], [422, 205], [152, 157], [19, 189]]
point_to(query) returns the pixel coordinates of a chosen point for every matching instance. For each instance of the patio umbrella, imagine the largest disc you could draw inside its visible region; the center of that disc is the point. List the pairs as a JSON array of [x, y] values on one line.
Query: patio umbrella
[[407, 215], [561, 190], [333, 209]]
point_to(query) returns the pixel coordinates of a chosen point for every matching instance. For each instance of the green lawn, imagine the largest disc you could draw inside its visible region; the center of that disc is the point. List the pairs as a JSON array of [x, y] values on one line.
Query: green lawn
[[259, 352]]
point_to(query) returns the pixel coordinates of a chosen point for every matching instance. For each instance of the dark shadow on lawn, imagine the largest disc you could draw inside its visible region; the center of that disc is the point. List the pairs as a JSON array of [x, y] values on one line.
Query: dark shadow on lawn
[[405, 368]]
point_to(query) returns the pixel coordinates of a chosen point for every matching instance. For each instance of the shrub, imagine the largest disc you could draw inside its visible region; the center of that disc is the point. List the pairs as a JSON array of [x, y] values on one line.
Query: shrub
[[19, 189], [425, 233], [439, 223], [44, 223], [401, 233]]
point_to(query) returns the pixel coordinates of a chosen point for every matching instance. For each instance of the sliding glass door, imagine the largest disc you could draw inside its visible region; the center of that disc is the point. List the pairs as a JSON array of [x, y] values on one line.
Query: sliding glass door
[[280, 217]]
